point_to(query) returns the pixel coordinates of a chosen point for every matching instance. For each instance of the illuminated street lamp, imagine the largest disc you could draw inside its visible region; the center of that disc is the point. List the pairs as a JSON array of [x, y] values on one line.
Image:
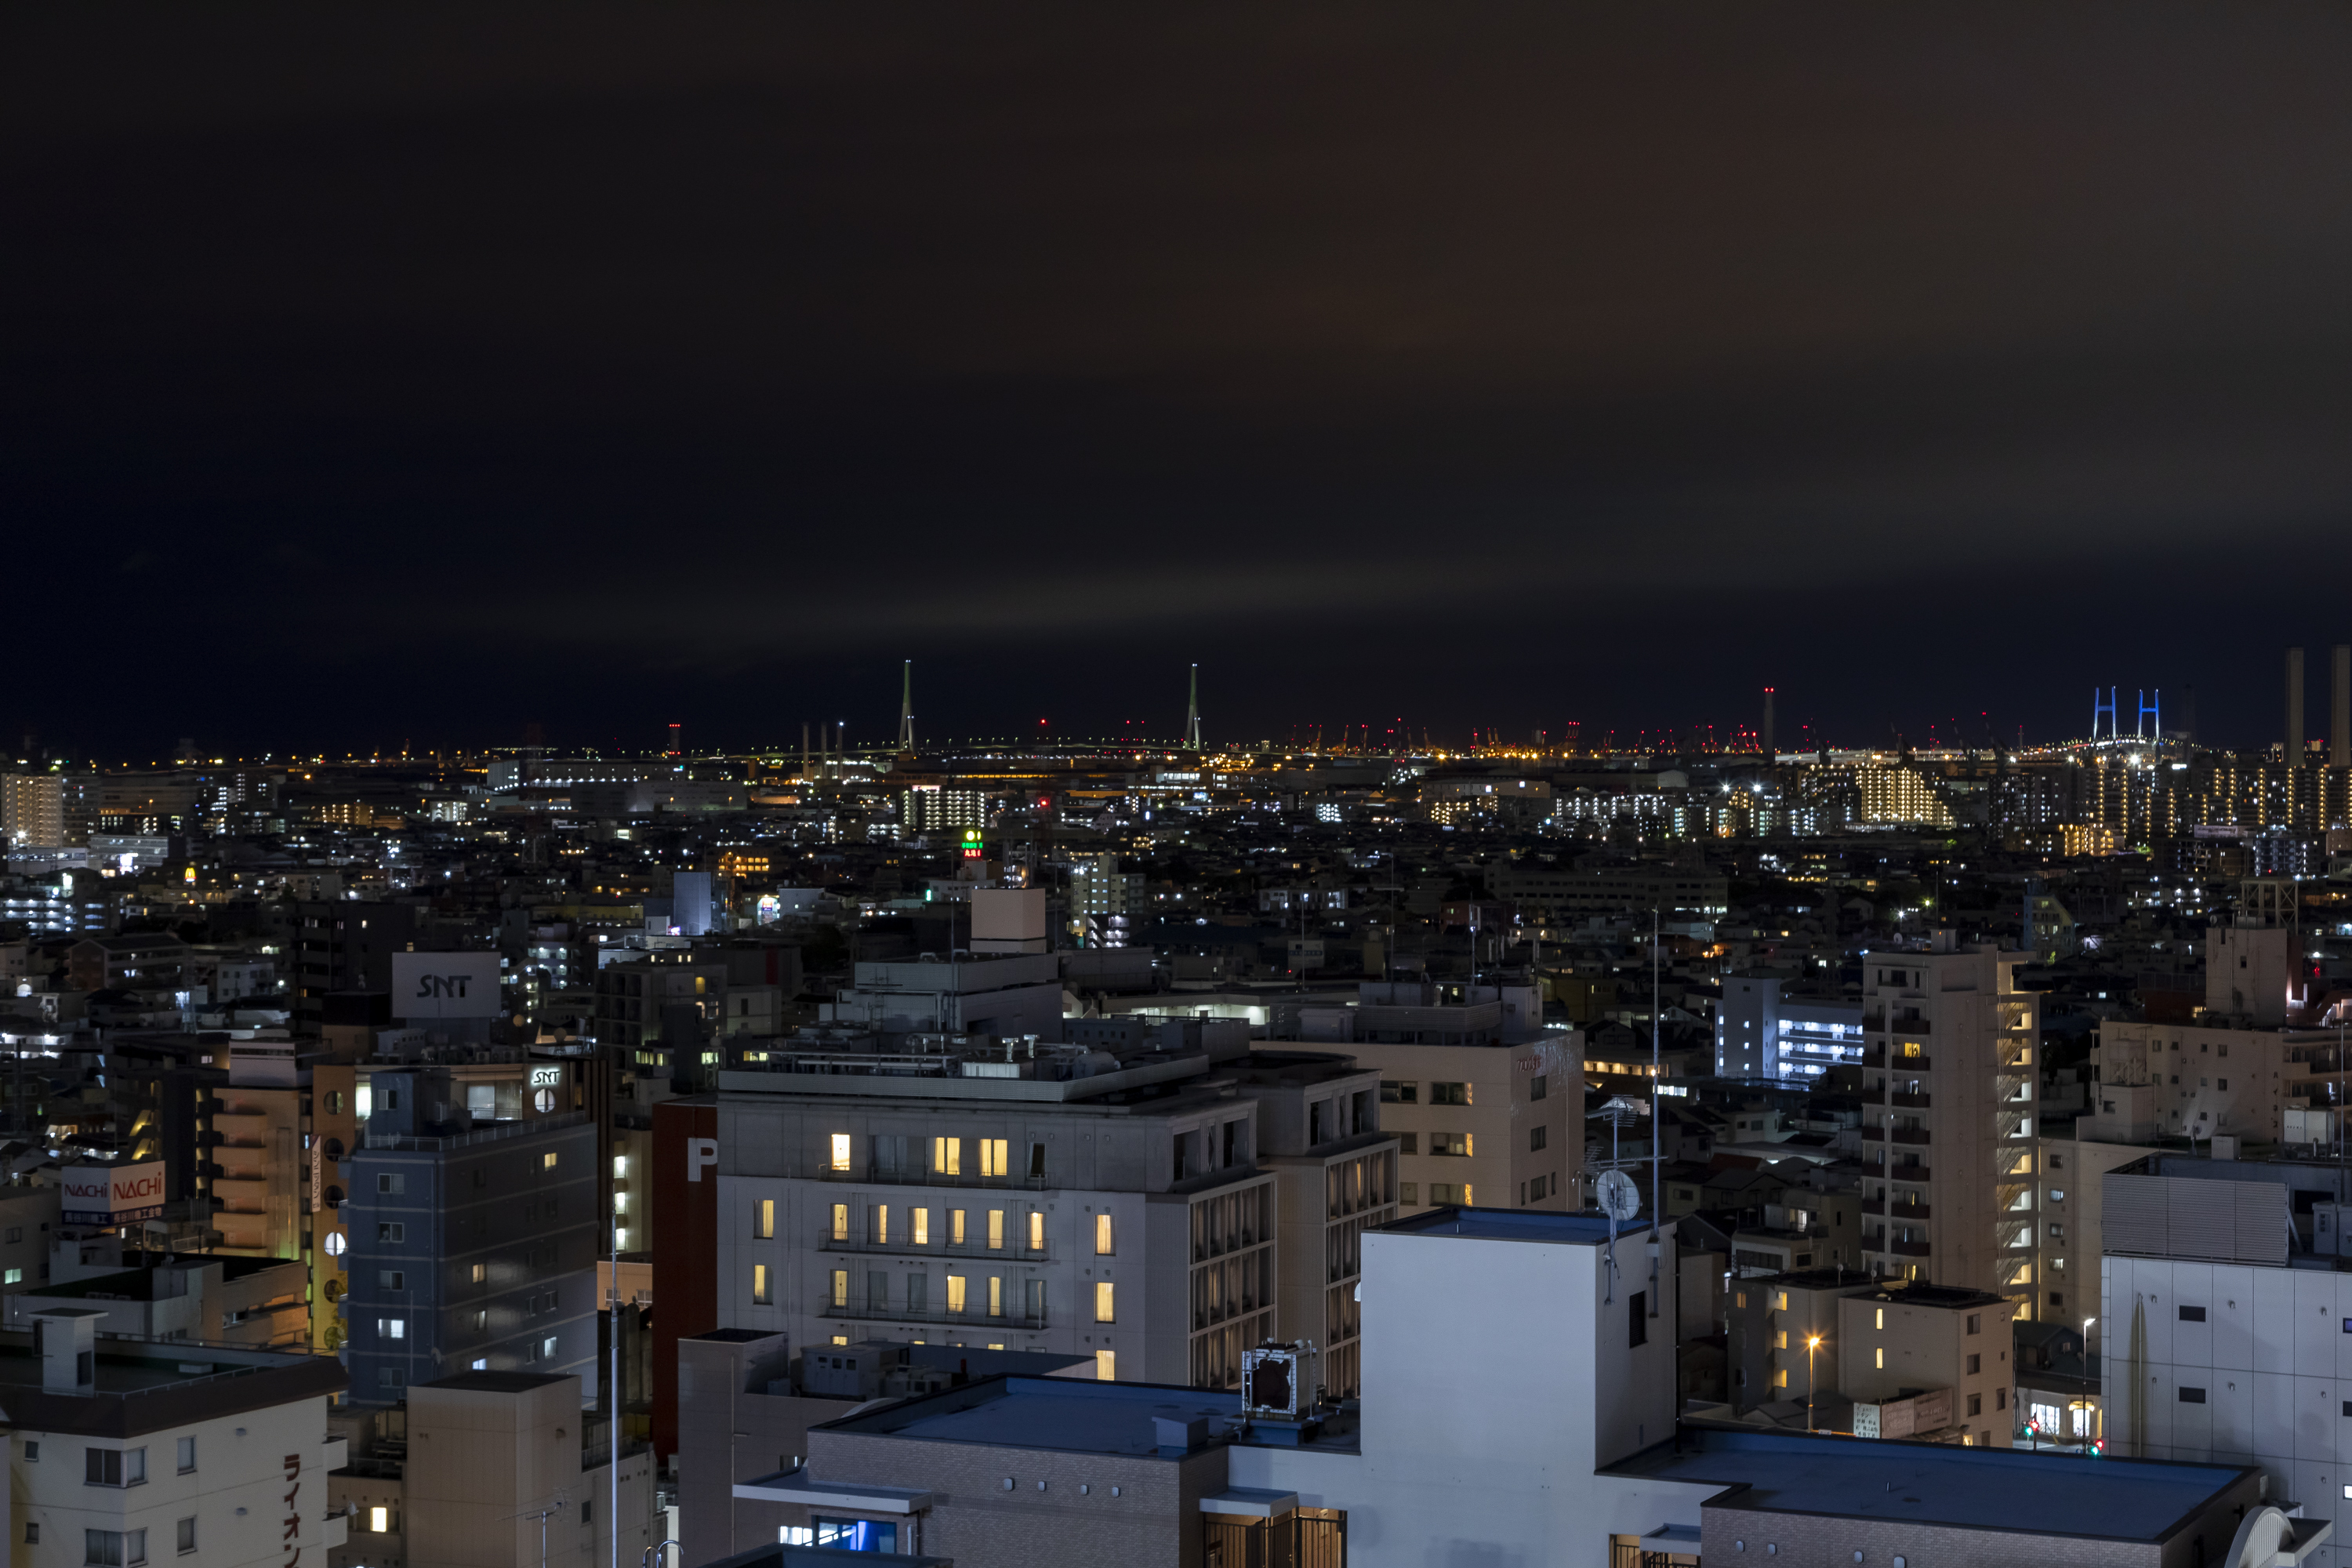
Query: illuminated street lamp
[[1813, 1343]]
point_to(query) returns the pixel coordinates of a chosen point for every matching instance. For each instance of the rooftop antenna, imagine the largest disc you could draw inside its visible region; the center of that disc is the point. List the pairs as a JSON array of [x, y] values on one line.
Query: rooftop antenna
[[1193, 714], [906, 709], [1658, 1129]]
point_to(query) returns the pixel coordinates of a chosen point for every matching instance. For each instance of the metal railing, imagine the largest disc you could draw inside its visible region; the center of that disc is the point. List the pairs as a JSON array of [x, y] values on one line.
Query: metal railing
[[882, 1177], [868, 1313]]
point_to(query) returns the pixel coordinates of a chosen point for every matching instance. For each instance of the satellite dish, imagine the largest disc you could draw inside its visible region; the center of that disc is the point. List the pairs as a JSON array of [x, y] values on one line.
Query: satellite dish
[[1620, 1198]]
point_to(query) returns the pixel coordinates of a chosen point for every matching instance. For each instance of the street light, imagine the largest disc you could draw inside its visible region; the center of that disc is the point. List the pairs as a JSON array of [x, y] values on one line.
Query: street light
[[1813, 1343], [2086, 1374]]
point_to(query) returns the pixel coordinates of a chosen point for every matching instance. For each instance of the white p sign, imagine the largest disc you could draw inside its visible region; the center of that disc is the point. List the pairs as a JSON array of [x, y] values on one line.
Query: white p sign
[[700, 1153]]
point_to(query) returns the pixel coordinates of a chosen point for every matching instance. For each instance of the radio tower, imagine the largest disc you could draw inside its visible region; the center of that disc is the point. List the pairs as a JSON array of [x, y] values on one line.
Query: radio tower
[[907, 711], [1193, 714]]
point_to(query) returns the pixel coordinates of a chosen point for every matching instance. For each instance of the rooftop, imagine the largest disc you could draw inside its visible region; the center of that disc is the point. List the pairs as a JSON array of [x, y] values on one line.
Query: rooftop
[[1930, 1483], [1517, 1224], [1064, 1415], [146, 1385], [487, 1382]]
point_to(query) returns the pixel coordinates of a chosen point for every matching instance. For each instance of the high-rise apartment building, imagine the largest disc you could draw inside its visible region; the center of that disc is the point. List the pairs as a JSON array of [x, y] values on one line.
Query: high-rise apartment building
[[1951, 1163], [1106, 903], [1761, 1034], [1075, 1201], [32, 809], [472, 1246]]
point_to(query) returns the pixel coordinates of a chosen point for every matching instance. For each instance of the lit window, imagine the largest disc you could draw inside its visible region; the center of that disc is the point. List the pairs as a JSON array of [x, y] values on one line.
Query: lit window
[[841, 1222], [947, 1156], [841, 1287], [1104, 1312], [767, 1225], [547, 1161], [955, 1228], [392, 1327], [760, 1284], [1036, 1230], [380, 1520], [1102, 1235], [955, 1293], [1106, 1366], [992, 1156], [996, 1230], [923, 1218], [841, 1151]]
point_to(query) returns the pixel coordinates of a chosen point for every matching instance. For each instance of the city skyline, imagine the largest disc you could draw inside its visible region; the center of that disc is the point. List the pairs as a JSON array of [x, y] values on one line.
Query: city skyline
[[676, 369]]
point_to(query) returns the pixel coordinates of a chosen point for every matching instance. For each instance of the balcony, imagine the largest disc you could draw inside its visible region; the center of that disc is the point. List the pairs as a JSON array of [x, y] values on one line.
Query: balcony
[[1910, 1061], [876, 1175], [906, 1246], [1906, 1173], [1908, 1249], [1908, 1134], [1904, 1213], [1910, 1101], [887, 1314], [1874, 1134]]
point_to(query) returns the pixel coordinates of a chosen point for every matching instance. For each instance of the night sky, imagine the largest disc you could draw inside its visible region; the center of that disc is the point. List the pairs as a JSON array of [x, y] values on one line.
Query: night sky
[[417, 374]]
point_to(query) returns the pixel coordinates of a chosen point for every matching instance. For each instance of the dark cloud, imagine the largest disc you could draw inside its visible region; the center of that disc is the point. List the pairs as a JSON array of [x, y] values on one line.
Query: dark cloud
[[422, 374]]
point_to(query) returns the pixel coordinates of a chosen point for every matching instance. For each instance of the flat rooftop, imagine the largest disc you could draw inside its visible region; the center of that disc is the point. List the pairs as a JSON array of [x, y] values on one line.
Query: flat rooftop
[[1932, 1483], [489, 1382], [1515, 1224], [1063, 1415]]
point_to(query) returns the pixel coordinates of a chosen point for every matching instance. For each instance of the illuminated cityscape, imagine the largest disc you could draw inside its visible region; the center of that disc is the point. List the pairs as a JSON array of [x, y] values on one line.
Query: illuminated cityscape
[[795, 786]]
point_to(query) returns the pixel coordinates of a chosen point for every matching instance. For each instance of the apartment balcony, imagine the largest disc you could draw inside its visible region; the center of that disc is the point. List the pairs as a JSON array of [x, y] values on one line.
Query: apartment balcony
[[1874, 1134], [876, 1175], [969, 1319], [1906, 1173], [906, 1247], [1910, 1061], [1902, 1213], [1907, 1249], [1907, 1134], [1908, 1101]]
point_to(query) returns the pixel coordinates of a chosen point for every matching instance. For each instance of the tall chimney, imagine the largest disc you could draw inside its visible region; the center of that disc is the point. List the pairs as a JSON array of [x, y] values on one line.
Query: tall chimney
[[2339, 733], [2293, 706], [1770, 753]]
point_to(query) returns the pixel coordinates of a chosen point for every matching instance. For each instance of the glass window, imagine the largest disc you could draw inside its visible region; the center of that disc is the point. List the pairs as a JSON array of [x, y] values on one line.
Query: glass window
[[760, 1293], [996, 1230], [955, 1228], [955, 1293], [1036, 1230], [766, 1230], [187, 1535], [388, 1234], [841, 1287], [996, 1296], [1103, 1247], [1449, 1094], [547, 1161], [992, 1156], [1105, 1307], [380, 1520], [1541, 1085], [947, 1156], [1396, 1091], [841, 1151], [385, 1182], [1106, 1366], [392, 1327], [841, 1222], [187, 1455], [882, 1224], [922, 1226]]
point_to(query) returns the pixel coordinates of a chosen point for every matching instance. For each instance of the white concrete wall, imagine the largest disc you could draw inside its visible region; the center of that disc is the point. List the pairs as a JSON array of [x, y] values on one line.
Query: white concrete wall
[[2275, 1362], [1479, 1446]]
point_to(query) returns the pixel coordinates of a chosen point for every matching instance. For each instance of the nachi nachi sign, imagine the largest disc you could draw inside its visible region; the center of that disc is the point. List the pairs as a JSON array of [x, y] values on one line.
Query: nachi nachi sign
[[110, 1196]]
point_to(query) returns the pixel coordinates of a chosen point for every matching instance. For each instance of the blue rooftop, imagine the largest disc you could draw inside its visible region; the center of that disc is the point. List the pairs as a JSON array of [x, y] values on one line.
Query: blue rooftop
[[1930, 1483], [1517, 1224], [1059, 1414]]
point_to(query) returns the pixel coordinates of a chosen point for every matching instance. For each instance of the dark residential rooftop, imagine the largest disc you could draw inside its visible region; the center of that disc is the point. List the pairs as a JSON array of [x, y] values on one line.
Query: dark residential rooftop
[[1933, 1483], [1517, 1224]]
